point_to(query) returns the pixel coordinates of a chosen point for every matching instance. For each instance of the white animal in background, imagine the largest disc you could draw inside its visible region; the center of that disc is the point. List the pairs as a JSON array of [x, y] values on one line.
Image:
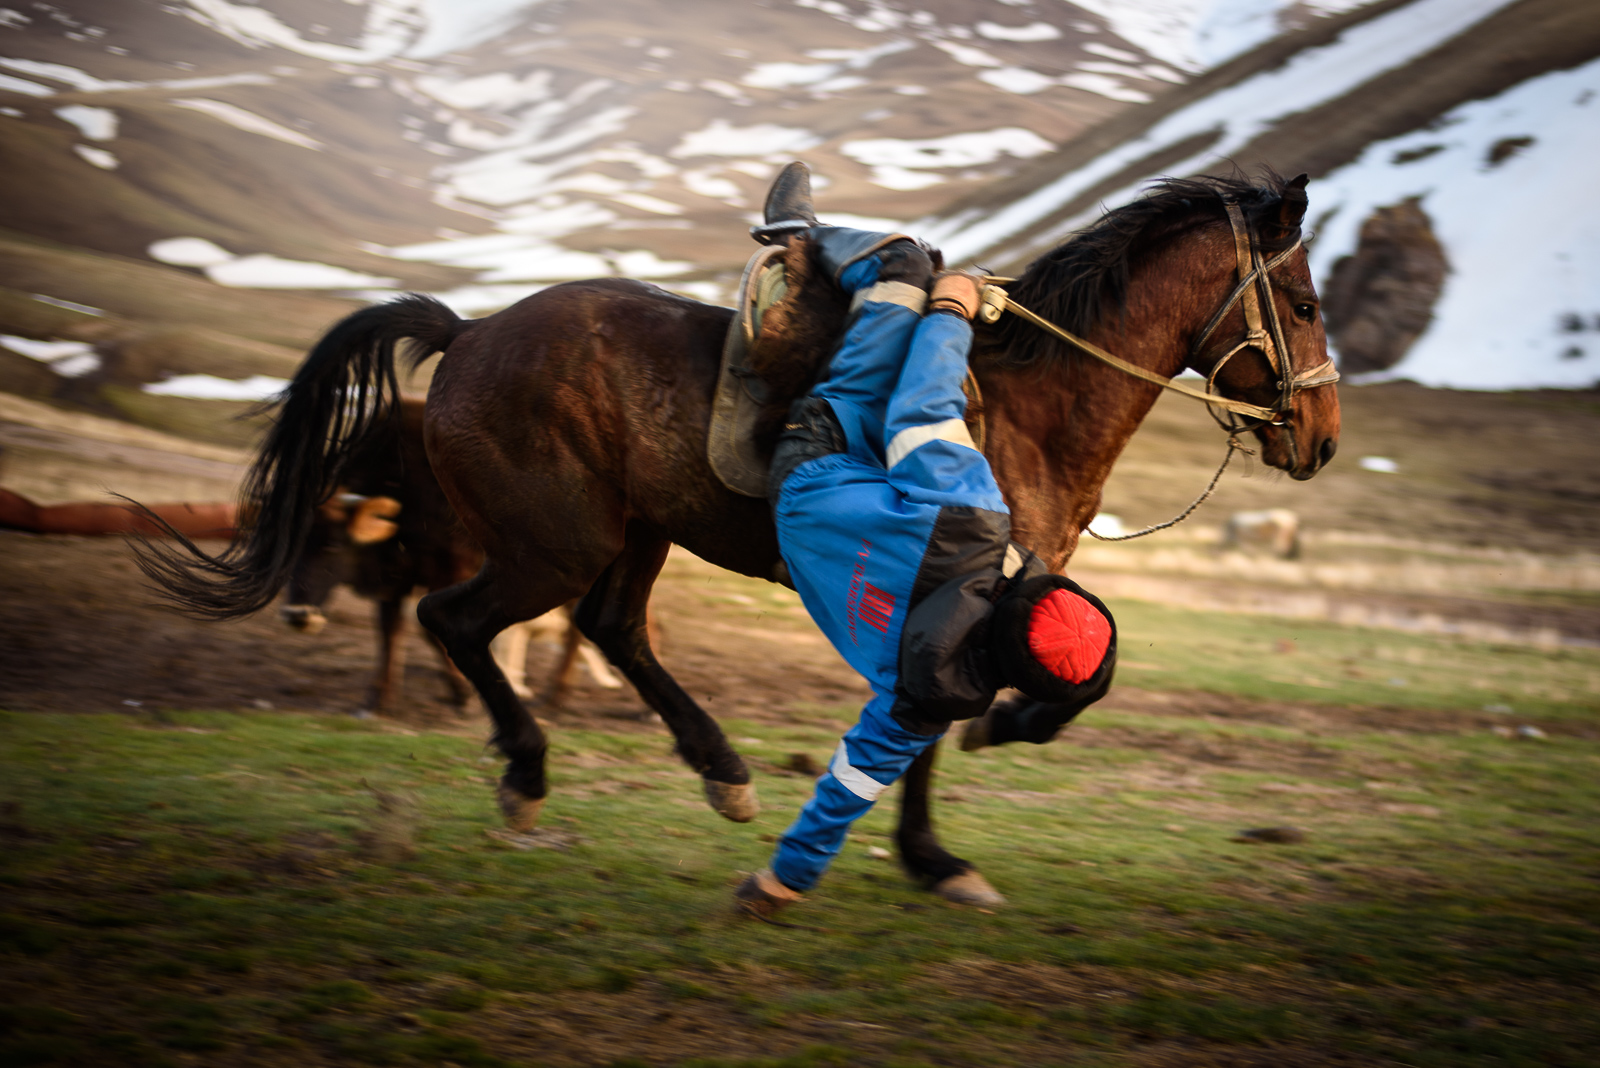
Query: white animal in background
[[1275, 531], [510, 651]]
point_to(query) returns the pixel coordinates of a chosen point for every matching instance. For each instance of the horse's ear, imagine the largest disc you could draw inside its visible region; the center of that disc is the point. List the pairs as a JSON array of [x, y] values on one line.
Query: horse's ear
[[1292, 209]]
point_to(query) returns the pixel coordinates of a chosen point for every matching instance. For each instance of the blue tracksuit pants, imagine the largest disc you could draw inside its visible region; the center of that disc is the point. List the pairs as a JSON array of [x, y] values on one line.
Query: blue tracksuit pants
[[854, 527]]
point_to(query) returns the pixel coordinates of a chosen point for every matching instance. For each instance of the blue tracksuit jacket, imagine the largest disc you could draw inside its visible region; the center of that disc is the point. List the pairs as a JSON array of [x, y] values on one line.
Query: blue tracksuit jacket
[[857, 529]]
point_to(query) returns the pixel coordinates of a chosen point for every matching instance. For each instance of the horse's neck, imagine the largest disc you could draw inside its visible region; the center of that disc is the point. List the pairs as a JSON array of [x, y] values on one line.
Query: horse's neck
[[1055, 431]]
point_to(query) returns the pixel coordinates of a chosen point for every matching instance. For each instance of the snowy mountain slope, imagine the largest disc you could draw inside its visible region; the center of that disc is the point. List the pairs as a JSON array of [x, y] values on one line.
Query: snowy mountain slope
[[567, 138], [1373, 87]]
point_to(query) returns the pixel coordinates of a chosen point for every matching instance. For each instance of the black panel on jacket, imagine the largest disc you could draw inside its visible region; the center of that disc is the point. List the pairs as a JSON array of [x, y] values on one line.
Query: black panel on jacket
[[812, 430], [944, 669], [965, 540]]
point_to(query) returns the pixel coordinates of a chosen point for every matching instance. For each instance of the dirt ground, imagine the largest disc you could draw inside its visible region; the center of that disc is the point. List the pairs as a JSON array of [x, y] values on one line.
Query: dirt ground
[[80, 633]]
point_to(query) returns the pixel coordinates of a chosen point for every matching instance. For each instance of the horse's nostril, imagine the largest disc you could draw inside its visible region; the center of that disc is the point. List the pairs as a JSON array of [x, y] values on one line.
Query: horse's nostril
[[1329, 447]]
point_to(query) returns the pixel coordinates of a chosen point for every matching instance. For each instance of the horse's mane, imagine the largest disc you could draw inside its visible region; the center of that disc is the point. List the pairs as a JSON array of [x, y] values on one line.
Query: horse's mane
[[1081, 281]]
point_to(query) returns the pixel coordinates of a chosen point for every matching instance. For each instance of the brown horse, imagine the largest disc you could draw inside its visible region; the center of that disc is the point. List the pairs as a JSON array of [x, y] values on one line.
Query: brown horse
[[569, 433]]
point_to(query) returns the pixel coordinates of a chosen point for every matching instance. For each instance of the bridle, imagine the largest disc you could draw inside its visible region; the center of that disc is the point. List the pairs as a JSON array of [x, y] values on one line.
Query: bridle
[[1263, 332], [1254, 293]]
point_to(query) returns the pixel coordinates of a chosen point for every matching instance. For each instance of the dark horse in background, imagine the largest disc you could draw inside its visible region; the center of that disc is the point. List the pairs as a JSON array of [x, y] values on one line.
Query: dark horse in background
[[569, 432]]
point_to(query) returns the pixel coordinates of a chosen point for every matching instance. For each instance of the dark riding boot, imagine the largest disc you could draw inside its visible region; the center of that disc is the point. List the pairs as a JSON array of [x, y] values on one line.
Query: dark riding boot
[[788, 208]]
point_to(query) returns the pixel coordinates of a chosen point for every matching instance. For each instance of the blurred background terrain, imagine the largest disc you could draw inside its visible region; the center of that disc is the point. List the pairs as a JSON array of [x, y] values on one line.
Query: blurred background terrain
[[192, 191]]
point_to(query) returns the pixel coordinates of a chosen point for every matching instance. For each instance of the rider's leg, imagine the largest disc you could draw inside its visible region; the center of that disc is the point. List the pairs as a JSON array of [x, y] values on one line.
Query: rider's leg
[[871, 757], [930, 455], [890, 286]]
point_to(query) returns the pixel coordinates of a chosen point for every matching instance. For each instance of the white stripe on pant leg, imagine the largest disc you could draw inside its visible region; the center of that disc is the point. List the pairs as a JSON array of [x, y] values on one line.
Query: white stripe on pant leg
[[914, 437], [853, 779]]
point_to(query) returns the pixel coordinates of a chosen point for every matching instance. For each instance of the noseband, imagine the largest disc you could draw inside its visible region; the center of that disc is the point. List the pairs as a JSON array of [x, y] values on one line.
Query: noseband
[[1264, 333]]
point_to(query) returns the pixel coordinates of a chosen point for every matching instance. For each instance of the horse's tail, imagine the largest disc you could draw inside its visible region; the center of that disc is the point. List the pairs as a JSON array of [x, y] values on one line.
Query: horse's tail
[[346, 389]]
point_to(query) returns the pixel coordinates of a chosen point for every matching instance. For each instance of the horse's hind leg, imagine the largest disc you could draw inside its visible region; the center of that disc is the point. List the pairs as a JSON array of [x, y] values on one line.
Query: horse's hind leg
[[465, 618], [949, 876], [612, 615]]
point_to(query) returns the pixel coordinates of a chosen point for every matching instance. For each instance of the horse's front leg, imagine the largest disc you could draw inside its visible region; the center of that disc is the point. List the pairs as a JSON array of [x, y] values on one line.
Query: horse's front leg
[[946, 874], [612, 615]]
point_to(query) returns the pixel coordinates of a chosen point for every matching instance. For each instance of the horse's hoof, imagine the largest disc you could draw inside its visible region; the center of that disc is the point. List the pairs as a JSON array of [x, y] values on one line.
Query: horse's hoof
[[734, 801], [520, 810], [969, 888]]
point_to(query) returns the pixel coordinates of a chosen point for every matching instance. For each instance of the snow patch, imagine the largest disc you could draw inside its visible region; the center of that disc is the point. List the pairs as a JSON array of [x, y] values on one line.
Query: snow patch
[[956, 150], [1034, 31], [1105, 85], [1193, 35], [418, 29], [966, 55], [9, 84], [263, 271], [837, 61], [69, 359], [248, 121], [210, 387], [501, 91], [763, 139], [60, 72], [97, 124], [188, 252], [69, 305], [98, 157], [1019, 80]]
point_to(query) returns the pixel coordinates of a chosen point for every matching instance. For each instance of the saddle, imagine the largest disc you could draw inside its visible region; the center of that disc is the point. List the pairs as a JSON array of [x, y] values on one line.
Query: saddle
[[786, 321]]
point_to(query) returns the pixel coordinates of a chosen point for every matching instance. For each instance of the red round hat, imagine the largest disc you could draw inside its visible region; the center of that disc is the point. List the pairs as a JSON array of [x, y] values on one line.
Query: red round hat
[[1068, 635], [1054, 640]]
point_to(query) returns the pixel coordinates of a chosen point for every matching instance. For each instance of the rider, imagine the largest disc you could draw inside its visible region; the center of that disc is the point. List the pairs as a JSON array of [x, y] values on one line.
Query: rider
[[898, 541]]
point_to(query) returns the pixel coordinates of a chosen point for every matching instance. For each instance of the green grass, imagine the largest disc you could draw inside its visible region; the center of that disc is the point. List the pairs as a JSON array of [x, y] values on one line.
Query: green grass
[[224, 889], [1307, 660]]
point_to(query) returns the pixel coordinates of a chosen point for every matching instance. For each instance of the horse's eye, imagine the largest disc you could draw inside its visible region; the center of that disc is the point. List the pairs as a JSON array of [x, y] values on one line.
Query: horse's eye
[[1305, 311]]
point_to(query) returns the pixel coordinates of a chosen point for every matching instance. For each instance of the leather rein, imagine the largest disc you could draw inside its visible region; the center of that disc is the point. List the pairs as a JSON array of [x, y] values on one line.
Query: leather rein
[[1263, 332]]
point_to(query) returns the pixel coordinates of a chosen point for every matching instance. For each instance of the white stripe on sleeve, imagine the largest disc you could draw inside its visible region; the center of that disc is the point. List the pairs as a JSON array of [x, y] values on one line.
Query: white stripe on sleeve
[[914, 437], [901, 293]]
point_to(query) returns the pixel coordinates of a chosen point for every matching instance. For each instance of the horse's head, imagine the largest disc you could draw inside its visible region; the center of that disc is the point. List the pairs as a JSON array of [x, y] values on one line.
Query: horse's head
[[1268, 347]]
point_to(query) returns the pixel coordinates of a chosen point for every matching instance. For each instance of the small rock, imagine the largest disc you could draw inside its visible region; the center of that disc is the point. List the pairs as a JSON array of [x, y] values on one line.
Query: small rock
[[878, 853], [1274, 835], [1529, 731], [261, 705], [1502, 731], [802, 763]]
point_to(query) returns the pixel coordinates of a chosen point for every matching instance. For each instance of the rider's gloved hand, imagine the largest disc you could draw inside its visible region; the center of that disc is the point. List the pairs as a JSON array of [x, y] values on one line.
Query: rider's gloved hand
[[956, 293]]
